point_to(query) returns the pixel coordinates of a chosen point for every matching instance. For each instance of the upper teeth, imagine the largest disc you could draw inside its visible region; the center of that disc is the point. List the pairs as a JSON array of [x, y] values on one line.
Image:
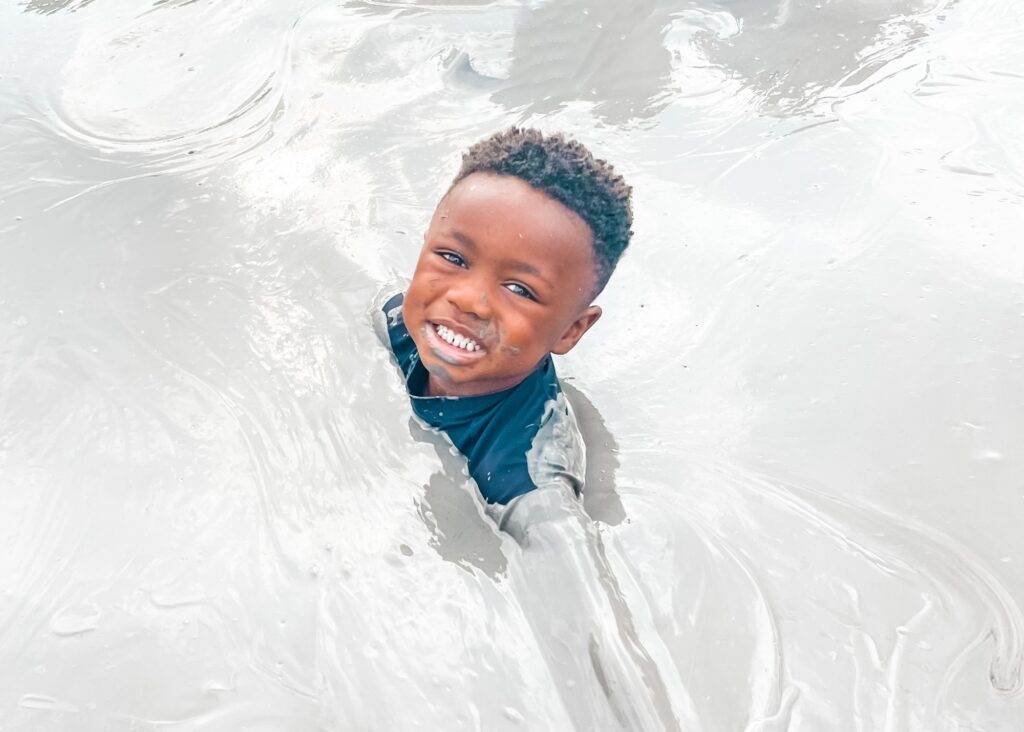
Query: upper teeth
[[457, 340]]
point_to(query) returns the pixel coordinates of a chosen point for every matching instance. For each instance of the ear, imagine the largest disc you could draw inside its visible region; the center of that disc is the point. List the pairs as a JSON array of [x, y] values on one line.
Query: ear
[[576, 330]]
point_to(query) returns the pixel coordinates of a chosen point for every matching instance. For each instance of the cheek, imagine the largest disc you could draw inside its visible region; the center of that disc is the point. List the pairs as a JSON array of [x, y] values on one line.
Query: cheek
[[520, 333], [419, 290], [427, 282]]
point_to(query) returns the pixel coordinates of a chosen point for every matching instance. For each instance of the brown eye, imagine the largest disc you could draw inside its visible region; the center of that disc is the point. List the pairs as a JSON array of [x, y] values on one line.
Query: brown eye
[[452, 257], [518, 289]]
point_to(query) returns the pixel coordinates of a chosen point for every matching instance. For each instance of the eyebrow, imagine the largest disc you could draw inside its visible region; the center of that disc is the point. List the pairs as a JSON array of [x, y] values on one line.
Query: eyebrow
[[520, 266], [463, 239], [525, 267]]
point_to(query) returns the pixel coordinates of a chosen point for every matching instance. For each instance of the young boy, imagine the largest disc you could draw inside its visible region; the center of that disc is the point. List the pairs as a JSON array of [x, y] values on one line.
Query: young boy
[[518, 248]]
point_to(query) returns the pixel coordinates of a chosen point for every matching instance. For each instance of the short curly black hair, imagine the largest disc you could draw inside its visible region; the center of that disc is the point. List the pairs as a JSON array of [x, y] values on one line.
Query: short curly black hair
[[565, 170]]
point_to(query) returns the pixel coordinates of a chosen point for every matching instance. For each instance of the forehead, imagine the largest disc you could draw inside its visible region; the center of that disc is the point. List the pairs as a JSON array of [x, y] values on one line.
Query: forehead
[[507, 217]]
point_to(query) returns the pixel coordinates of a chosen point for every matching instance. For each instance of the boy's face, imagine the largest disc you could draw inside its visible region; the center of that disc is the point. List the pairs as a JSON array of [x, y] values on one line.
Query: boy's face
[[504, 278]]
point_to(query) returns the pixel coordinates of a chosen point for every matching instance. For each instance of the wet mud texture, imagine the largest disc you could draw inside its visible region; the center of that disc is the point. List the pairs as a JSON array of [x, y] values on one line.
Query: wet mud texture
[[803, 405]]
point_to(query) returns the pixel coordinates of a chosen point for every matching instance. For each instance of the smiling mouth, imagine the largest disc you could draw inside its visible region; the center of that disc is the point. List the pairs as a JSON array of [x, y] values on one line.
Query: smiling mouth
[[452, 338], [451, 346]]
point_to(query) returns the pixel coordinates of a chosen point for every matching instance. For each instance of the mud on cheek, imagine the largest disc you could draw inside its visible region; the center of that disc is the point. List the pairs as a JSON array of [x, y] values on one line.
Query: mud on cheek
[[439, 372]]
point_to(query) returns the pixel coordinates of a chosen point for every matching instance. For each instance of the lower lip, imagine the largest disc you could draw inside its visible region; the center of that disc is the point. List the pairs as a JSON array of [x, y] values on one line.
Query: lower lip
[[446, 351]]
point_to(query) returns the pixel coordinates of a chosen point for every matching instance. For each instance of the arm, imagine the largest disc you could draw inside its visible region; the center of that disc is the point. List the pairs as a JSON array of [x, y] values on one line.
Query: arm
[[570, 596]]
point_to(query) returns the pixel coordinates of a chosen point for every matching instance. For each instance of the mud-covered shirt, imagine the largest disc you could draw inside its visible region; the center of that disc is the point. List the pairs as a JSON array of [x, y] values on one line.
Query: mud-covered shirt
[[514, 440]]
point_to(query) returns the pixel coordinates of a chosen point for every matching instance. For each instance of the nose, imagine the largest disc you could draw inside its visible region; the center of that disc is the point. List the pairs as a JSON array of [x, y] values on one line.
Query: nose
[[470, 296]]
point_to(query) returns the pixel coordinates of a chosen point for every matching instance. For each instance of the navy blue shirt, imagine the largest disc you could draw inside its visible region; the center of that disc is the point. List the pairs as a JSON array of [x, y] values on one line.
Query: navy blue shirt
[[493, 431]]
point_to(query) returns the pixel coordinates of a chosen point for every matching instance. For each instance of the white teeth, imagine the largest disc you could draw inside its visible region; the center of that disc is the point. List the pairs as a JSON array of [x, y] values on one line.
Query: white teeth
[[459, 341]]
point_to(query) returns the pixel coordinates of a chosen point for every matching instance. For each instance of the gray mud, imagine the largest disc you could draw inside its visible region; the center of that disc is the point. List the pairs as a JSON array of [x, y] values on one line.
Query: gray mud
[[805, 400]]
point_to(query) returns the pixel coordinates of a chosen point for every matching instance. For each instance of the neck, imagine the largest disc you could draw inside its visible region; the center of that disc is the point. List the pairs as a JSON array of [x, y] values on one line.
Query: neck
[[440, 387]]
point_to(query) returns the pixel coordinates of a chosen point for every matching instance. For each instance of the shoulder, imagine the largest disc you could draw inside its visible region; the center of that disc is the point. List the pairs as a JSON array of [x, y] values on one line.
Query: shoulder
[[557, 452], [510, 437], [556, 465], [389, 325], [385, 311]]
